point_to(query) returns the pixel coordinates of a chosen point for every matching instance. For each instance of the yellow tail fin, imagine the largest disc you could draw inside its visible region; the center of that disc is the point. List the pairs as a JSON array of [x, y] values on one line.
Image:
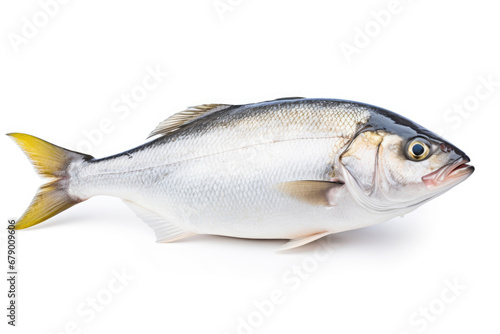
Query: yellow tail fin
[[50, 161]]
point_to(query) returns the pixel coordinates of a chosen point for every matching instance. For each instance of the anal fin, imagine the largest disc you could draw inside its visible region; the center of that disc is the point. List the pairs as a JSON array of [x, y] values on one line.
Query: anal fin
[[164, 230], [301, 241]]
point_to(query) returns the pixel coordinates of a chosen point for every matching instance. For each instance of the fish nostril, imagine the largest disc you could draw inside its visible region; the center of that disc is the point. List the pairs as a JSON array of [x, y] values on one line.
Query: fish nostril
[[445, 148]]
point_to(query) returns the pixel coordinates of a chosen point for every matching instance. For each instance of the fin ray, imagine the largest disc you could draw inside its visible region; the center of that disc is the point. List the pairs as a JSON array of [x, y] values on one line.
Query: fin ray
[[286, 98], [301, 241], [49, 161], [164, 230], [176, 121], [321, 193]]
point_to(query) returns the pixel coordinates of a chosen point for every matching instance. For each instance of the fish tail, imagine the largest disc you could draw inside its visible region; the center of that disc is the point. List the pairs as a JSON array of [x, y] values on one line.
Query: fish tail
[[52, 162]]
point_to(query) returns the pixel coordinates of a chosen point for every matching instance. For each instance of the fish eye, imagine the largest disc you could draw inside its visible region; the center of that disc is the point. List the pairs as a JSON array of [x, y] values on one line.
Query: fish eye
[[417, 149]]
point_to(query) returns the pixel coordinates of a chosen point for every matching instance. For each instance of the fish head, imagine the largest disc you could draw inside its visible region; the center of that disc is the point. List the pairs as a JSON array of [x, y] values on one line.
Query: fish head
[[393, 165]]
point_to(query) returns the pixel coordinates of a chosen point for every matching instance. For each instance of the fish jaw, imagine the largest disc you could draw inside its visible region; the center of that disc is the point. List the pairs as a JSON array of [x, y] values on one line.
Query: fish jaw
[[453, 173]]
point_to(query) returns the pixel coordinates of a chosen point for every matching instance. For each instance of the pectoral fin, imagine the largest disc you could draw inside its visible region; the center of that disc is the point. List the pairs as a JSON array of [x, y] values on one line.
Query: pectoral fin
[[297, 242], [322, 193]]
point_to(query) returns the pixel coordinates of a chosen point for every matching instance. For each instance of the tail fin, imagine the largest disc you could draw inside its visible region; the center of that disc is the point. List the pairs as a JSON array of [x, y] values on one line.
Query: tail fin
[[50, 161]]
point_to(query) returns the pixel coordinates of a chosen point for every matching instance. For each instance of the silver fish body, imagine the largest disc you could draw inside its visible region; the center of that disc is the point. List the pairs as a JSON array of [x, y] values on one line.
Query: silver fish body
[[284, 169]]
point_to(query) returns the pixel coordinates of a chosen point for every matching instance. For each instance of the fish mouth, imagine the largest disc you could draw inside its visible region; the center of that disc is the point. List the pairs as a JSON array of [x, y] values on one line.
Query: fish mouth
[[455, 172]]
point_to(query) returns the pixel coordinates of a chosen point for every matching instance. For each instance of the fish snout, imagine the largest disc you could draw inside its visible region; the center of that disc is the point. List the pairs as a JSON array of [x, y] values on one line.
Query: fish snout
[[456, 171]]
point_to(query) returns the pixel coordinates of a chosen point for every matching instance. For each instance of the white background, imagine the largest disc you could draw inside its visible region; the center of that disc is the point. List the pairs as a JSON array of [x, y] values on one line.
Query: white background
[[65, 79]]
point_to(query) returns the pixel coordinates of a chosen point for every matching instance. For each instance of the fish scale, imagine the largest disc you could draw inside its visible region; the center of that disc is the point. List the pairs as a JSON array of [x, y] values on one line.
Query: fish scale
[[275, 169]]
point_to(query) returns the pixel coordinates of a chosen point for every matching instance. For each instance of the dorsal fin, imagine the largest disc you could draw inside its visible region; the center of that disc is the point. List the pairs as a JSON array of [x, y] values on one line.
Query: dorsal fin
[[287, 98], [184, 117]]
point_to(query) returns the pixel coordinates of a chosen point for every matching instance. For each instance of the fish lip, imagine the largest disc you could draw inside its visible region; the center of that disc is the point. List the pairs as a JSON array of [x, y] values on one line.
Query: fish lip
[[456, 171]]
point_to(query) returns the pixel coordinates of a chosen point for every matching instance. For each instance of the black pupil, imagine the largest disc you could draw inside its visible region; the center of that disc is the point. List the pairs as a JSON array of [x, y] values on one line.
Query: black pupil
[[418, 149]]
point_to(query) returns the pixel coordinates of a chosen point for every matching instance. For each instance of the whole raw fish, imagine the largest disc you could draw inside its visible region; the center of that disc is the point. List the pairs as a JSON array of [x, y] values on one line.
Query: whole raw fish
[[291, 168]]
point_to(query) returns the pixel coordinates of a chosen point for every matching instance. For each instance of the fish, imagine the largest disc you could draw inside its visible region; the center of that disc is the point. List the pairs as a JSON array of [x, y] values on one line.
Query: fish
[[292, 168]]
